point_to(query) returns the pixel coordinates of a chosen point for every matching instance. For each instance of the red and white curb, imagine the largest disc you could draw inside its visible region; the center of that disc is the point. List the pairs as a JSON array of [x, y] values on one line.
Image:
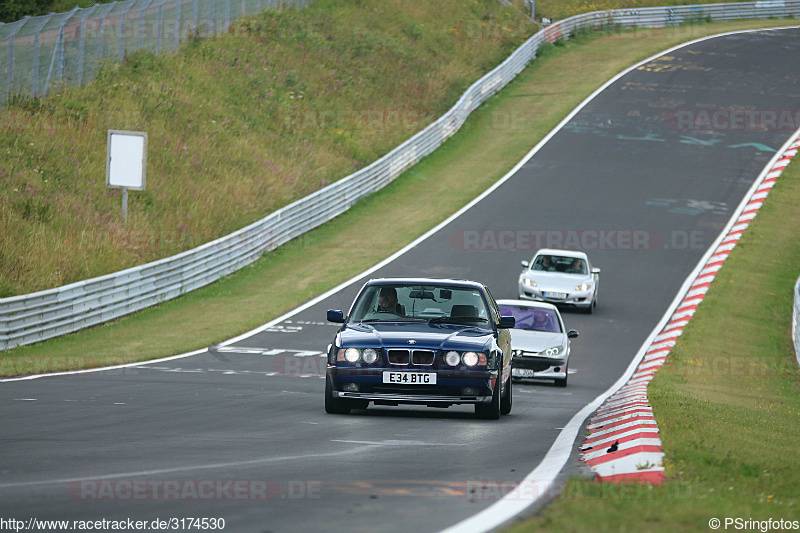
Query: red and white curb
[[623, 442]]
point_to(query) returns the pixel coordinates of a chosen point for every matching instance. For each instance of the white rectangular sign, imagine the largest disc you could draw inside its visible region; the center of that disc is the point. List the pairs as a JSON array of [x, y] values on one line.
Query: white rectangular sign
[[126, 160]]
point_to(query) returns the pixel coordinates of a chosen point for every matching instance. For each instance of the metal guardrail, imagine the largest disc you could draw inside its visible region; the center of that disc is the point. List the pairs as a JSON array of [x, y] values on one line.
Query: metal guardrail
[[796, 320], [37, 53], [42, 315]]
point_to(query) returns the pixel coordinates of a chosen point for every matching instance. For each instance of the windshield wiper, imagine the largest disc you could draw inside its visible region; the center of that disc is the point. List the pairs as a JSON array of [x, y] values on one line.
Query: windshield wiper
[[394, 319], [457, 320]]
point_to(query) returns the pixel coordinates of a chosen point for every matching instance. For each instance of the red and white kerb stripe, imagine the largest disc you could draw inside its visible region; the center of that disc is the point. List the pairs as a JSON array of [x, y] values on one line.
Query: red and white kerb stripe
[[623, 442]]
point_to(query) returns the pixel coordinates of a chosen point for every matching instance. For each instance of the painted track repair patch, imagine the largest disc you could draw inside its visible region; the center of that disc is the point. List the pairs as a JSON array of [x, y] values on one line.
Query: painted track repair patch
[[623, 442]]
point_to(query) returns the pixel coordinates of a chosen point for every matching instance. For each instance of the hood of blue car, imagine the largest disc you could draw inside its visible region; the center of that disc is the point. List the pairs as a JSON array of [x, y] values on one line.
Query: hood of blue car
[[422, 334]]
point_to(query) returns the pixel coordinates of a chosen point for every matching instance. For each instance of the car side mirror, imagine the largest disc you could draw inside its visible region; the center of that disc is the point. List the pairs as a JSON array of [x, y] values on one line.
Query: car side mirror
[[506, 322], [336, 315], [595, 271], [524, 264], [571, 334]]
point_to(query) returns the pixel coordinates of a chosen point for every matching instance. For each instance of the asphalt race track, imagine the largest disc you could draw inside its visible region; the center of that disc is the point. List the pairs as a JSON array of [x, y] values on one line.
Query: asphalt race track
[[644, 177]]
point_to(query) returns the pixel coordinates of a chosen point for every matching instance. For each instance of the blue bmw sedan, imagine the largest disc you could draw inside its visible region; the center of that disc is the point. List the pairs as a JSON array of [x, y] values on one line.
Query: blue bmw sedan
[[424, 341]]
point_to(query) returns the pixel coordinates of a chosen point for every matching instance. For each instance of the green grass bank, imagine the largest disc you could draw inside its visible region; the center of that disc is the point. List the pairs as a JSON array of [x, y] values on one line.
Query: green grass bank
[[238, 126]]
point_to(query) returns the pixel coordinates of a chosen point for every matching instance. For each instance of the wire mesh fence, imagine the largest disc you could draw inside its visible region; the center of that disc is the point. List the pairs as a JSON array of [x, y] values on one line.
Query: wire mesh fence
[[37, 53]]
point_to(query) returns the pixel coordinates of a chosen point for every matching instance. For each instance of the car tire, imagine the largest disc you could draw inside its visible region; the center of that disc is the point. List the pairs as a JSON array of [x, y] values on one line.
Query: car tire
[[490, 411], [507, 400], [335, 406], [563, 382]]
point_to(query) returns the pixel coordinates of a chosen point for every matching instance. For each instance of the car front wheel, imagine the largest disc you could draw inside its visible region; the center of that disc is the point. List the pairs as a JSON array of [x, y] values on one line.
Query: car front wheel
[[334, 405], [505, 403], [490, 411], [563, 382]]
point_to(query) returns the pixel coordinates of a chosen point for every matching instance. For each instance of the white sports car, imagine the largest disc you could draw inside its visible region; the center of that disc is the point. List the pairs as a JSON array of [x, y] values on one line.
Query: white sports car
[[540, 344], [561, 277]]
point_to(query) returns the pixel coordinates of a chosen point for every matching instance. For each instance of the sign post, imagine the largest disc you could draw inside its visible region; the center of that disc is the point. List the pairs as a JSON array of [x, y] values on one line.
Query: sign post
[[126, 163]]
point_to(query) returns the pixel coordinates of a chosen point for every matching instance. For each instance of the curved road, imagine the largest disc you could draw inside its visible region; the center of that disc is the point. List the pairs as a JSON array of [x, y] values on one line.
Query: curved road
[[645, 176]]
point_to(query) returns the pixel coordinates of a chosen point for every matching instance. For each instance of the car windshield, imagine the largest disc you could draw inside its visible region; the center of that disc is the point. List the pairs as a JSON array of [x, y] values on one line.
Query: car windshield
[[558, 263], [534, 318], [435, 303]]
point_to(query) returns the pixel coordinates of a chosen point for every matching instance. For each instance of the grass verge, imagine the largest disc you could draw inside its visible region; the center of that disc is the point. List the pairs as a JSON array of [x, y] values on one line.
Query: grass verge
[[558, 9], [727, 402], [491, 142]]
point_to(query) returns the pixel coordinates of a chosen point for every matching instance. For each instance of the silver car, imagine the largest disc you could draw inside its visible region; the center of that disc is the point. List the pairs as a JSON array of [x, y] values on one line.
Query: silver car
[[561, 277], [540, 344]]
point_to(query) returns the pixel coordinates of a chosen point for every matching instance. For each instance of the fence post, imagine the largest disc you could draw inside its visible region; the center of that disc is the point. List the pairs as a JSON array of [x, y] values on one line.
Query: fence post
[[57, 60], [177, 23], [82, 39], [11, 62], [121, 24], [213, 16], [159, 26], [102, 25], [140, 24], [11, 36], [60, 69]]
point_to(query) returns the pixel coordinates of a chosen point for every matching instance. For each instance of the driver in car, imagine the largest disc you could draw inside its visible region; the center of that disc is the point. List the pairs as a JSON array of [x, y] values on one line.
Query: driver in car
[[387, 301], [541, 322]]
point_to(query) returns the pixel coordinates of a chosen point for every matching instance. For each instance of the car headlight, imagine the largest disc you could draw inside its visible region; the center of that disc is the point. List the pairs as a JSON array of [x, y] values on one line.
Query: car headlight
[[352, 355], [452, 358], [583, 287], [551, 352], [528, 282], [470, 358], [370, 356]]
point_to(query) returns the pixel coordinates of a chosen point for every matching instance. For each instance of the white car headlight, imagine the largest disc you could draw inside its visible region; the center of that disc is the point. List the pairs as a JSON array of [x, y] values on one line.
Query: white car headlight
[[352, 355], [369, 356], [528, 282], [452, 358], [470, 358], [583, 287], [551, 352]]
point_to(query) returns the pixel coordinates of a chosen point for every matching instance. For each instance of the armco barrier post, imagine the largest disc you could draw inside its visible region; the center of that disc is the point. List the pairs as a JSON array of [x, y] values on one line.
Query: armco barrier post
[[796, 320]]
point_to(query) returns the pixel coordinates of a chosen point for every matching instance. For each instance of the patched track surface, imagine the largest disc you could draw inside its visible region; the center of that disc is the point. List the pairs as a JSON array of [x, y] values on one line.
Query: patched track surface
[[76, 447]]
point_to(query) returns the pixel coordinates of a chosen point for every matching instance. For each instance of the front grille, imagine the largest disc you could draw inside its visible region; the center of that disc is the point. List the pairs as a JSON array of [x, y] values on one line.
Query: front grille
[[398, 357], [415, 357], [536, 366], [422, 357]]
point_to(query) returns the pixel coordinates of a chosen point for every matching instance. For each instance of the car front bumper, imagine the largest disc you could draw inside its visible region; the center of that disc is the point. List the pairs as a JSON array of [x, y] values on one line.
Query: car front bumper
[[578, 299], [452, 387], [539, 367]]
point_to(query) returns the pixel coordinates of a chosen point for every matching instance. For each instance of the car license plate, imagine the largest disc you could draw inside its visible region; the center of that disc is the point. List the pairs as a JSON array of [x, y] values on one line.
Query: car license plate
[[555, 294], [522, 373], [409, 378]]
